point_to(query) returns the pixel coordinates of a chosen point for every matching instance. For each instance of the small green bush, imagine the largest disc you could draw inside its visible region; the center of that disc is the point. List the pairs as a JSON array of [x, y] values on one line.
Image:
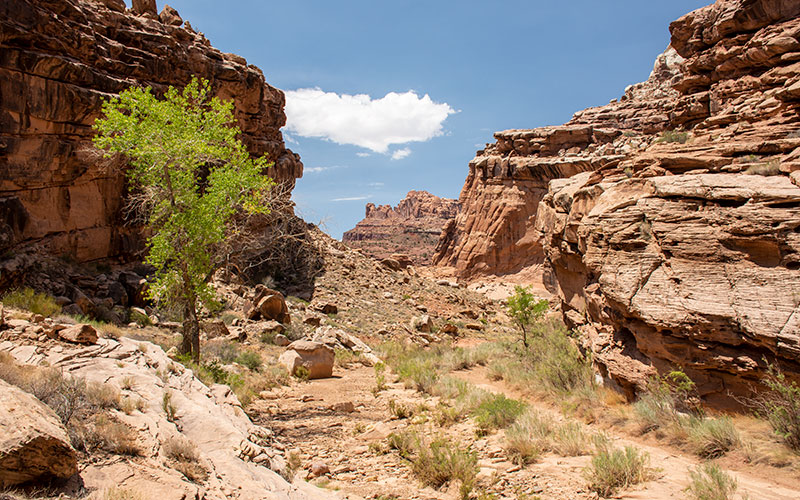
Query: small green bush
[[497, 412], [529, 437], [29, 300], [710, 482], [251, 359], [441, 462], [713, 437], [766, 169], [612, 469], [405, 443], [780, 406]]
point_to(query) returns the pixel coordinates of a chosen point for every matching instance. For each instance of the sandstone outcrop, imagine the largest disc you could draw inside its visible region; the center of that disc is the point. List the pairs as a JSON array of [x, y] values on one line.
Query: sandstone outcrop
[[412, 228], [243, 459], [34, 444], [667, 221], [58, 60]]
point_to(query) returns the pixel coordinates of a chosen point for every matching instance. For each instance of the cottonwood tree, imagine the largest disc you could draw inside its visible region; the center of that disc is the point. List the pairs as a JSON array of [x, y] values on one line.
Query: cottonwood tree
[[194, 185], [525, 310]]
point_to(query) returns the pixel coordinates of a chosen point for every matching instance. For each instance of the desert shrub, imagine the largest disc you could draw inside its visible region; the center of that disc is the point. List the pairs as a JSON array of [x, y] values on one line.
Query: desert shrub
[[345, 357], [766, 169], [497, 412], [400, 410], [170, 410], [441, 462], [673, 136], [250, 359], [226, 352], [667, 400], [528, 437], [780, 406], [710, 482], [612, 469], [102, 396], [405, 442], [450, 388], [713, 437], [116, 494], [184, 458], [140, 319], [114, 437], [380, 377], [445, 416], [570, 440], [301, 373], [556, 363], [29, 300]]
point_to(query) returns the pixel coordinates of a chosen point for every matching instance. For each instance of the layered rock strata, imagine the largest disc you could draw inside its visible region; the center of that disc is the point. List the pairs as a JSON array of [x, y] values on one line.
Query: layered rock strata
[[411, 228], [676, 244], [58, 60]]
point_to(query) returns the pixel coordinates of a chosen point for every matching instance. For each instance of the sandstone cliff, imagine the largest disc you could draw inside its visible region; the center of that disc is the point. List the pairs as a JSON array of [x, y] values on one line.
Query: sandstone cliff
[[676, 244], [411, 228], [58, 60]]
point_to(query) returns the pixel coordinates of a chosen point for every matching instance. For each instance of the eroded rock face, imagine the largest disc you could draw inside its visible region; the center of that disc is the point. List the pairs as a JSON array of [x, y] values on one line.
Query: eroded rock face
[[34, 444], [651, 223], [58, 60], [411, 228]]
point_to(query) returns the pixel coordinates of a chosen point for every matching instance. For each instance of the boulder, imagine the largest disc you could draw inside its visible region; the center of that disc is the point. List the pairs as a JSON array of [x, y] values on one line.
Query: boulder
[[170, 16], [79, 334], [33, 443], [282, 340], [214, 329], [116, 5], [273, 307], [422, 323], [315, 357], [145, 7], [449, 328], [326, 308]]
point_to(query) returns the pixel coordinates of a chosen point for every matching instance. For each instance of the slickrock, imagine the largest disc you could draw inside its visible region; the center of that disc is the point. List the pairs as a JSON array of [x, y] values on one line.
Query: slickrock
[[241, 457], [58, 60], [33, 443], [317, 358], [412, 228], [666, 221]]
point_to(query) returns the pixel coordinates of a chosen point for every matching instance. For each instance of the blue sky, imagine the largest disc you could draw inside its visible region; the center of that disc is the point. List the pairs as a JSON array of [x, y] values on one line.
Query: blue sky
[[485, 66]]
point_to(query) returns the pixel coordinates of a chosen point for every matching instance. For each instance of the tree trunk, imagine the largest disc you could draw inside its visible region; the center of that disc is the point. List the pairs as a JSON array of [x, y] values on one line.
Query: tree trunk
[[191, 332]]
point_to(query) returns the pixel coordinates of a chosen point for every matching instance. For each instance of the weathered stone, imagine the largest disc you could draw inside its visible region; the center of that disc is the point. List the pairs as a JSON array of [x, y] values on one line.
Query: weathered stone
[[79, 334], [282, 340], [422, 323], [34, 443], [326, 308], [214, 329], [58, 194], [315, 357], [170, 16]]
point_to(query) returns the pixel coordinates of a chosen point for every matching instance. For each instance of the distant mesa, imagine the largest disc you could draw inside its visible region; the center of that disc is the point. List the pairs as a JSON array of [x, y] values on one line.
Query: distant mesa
[[412, 227]]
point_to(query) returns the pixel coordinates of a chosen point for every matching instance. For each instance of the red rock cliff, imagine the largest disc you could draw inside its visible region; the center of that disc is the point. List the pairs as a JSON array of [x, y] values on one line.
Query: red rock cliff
[[58, 60], [412, 227], [676, 244]]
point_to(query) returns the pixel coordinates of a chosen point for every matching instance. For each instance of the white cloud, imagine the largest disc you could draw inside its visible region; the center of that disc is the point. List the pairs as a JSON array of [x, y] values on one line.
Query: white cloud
[[374, 124], [289, 139], [353, 198], [376, 184], [362, 155], [315, 170], [401, 153]]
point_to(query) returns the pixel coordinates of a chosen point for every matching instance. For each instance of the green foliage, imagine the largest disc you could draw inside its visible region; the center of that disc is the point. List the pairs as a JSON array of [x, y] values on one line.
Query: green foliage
[[612, 469], [673, 136], [29, 300], [441, 461], [170, 410], [710, 482], [780, 406], [497, 412], [380, 377], [251, 359], [190, 176], [524, 309], [140, 319]]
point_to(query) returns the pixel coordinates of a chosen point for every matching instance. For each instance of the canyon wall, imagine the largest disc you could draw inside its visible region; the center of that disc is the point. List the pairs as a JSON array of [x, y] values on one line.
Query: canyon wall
[[58, 60], [672, 238], [411, 228]]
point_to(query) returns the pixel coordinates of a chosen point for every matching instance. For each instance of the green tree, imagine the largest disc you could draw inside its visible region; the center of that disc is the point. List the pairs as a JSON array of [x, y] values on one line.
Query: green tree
[[192, 180], [525, 310]]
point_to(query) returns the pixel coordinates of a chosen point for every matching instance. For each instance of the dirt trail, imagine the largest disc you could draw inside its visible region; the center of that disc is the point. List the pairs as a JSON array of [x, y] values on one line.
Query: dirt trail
[[674, 474]]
